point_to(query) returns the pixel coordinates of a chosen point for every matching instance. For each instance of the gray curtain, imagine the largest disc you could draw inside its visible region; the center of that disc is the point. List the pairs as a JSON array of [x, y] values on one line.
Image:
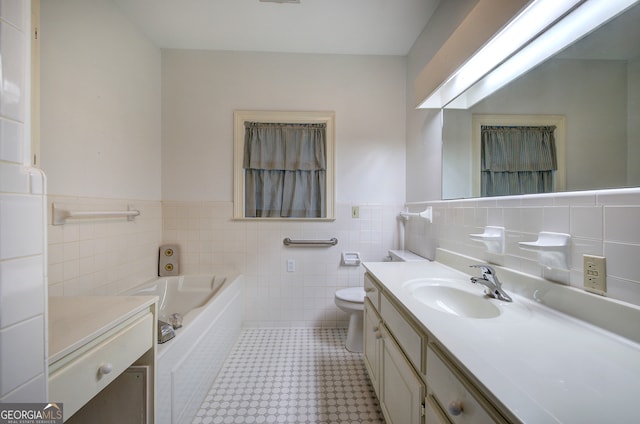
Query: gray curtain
[[517, 160], [285, 170]]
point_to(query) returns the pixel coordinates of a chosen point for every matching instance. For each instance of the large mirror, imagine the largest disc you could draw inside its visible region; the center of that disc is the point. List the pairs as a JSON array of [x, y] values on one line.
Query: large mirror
[[593, 86]]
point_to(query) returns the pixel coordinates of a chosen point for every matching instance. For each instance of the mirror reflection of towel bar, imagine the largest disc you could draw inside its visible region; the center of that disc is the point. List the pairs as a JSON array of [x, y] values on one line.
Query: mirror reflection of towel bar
[[331, 242]]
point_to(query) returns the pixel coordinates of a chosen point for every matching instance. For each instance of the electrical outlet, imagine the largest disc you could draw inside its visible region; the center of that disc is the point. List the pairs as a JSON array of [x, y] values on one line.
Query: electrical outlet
[[355, 211], [291, 265], [595, 274]]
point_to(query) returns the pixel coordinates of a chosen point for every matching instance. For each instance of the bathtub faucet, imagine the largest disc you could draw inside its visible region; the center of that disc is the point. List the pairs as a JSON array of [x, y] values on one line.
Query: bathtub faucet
[[165, 332], [492, 286]]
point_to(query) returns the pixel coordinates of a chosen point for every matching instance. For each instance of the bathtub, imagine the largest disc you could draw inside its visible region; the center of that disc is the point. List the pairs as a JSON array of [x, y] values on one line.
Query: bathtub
[[211, 306]]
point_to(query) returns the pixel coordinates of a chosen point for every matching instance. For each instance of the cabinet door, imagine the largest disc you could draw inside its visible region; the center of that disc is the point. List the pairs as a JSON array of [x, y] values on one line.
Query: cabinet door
[[402, 390], [372, 344]]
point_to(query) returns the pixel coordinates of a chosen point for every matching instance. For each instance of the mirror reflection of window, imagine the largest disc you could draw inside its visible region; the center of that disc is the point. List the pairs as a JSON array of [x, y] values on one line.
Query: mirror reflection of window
[[595, 84], [517, 160]]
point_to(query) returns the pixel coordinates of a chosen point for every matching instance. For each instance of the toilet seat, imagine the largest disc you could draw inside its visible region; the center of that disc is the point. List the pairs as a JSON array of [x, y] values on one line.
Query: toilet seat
[[351, 294]]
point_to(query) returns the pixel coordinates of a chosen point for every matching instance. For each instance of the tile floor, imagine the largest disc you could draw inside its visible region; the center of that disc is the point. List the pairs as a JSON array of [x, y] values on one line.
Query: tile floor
[[291, 375]]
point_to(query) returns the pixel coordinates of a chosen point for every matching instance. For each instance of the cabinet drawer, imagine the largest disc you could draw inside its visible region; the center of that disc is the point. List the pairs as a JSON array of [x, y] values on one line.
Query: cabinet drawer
[[410, 340], [372, 291], [455, 399], [80, 379]]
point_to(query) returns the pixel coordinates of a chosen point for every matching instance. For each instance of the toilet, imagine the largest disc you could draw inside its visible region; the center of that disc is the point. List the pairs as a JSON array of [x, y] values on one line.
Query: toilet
[[351, 300]]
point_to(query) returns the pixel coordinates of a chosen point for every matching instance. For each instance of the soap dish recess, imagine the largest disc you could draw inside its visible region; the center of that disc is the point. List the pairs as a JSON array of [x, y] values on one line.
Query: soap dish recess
[[552, 248], [493, 239]]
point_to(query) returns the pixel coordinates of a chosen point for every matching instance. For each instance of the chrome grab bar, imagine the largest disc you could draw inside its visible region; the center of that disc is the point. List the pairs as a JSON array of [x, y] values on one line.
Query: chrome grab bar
[[331, 242]]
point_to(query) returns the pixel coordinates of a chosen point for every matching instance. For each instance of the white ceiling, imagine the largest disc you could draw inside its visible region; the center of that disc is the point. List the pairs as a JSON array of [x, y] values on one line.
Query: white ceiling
[[376, 27]]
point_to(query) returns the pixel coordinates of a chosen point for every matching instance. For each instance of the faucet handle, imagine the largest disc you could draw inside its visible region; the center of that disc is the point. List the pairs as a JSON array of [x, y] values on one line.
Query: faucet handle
[[486, 269]]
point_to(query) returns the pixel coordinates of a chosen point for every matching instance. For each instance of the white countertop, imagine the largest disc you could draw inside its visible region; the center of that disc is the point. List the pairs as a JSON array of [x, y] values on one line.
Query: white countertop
[[76, 320], [541, 365]]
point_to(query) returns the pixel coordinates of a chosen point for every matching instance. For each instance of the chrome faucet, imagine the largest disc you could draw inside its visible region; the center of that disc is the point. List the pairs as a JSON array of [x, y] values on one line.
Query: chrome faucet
[[489, 279]]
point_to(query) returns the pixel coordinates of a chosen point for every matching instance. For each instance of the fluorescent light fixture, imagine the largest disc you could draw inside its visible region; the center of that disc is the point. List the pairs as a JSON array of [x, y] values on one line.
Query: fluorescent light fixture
[[577, 24], [530, 22]]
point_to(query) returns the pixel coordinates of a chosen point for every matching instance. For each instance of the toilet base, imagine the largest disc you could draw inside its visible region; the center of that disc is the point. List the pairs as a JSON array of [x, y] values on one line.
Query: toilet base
[[353, 343]]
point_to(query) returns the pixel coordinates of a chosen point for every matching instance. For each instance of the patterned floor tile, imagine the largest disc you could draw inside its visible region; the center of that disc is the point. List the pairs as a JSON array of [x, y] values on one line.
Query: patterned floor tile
[[297, 375]]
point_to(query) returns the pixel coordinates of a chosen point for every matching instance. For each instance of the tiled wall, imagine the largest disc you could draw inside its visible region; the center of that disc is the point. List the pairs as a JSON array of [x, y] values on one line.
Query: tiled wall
[[602, 223], [102, 256], [22, 241], [211, 241]]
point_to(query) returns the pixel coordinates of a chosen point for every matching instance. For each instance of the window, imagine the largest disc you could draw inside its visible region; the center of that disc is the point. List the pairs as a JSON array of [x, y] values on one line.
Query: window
[[284, 165]]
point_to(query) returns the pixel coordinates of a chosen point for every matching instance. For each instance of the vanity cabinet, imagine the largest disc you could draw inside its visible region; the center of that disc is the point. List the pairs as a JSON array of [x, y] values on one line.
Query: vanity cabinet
[[372, 331], [400, 389], [452, 396], [93, 342], [415, 381]]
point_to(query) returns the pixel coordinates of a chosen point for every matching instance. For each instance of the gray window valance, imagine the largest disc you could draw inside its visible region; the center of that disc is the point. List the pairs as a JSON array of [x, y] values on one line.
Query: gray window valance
[[517, 159], [285, 170]]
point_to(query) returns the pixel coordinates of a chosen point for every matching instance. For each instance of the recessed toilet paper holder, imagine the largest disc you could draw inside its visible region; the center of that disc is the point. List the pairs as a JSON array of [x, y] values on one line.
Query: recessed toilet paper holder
[[351, 258]]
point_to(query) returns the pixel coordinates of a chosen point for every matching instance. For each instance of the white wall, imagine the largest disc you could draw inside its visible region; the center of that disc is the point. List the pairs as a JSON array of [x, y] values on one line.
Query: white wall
[[201, 89], [424, 127], [23, 353], [100, 102], [101, 145]]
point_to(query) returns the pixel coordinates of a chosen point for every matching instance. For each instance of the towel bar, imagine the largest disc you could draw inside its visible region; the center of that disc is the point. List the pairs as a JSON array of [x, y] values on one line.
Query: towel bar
[[60, 216]]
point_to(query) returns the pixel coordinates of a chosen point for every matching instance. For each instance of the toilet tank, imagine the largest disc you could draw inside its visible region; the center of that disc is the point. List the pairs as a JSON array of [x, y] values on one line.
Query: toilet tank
[[404, 256]]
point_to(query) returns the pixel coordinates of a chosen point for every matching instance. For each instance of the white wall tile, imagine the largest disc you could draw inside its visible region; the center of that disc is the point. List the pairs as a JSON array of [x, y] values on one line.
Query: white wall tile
[[12, 141], [13, 180], [12, 101], [33, 390], [619, 197], [21, 344], [103, 256], [622, 224], [600, 223], [586, 222], [21, 235], [622, 260], [277, 297], [21, 289], [556, 219], [13, 11]]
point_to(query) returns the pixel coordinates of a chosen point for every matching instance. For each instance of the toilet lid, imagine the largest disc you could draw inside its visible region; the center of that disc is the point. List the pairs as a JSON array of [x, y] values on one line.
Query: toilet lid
[[352, 294]]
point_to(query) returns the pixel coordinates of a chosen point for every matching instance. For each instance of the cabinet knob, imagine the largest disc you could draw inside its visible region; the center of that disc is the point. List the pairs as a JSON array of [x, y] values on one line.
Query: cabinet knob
[[376, 328], [378, 335], [455, 408], [105, 368], [369, 289]]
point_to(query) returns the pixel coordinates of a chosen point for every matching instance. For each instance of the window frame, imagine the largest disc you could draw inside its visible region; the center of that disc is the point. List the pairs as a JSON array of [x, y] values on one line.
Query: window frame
[[296, 117]]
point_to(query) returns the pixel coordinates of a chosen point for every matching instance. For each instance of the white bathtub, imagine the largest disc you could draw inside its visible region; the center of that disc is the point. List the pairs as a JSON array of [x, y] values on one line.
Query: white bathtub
[[186, 365]]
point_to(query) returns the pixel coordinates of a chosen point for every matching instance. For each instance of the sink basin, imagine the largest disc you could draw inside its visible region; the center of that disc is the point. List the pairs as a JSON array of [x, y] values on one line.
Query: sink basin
[[455, 301]]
